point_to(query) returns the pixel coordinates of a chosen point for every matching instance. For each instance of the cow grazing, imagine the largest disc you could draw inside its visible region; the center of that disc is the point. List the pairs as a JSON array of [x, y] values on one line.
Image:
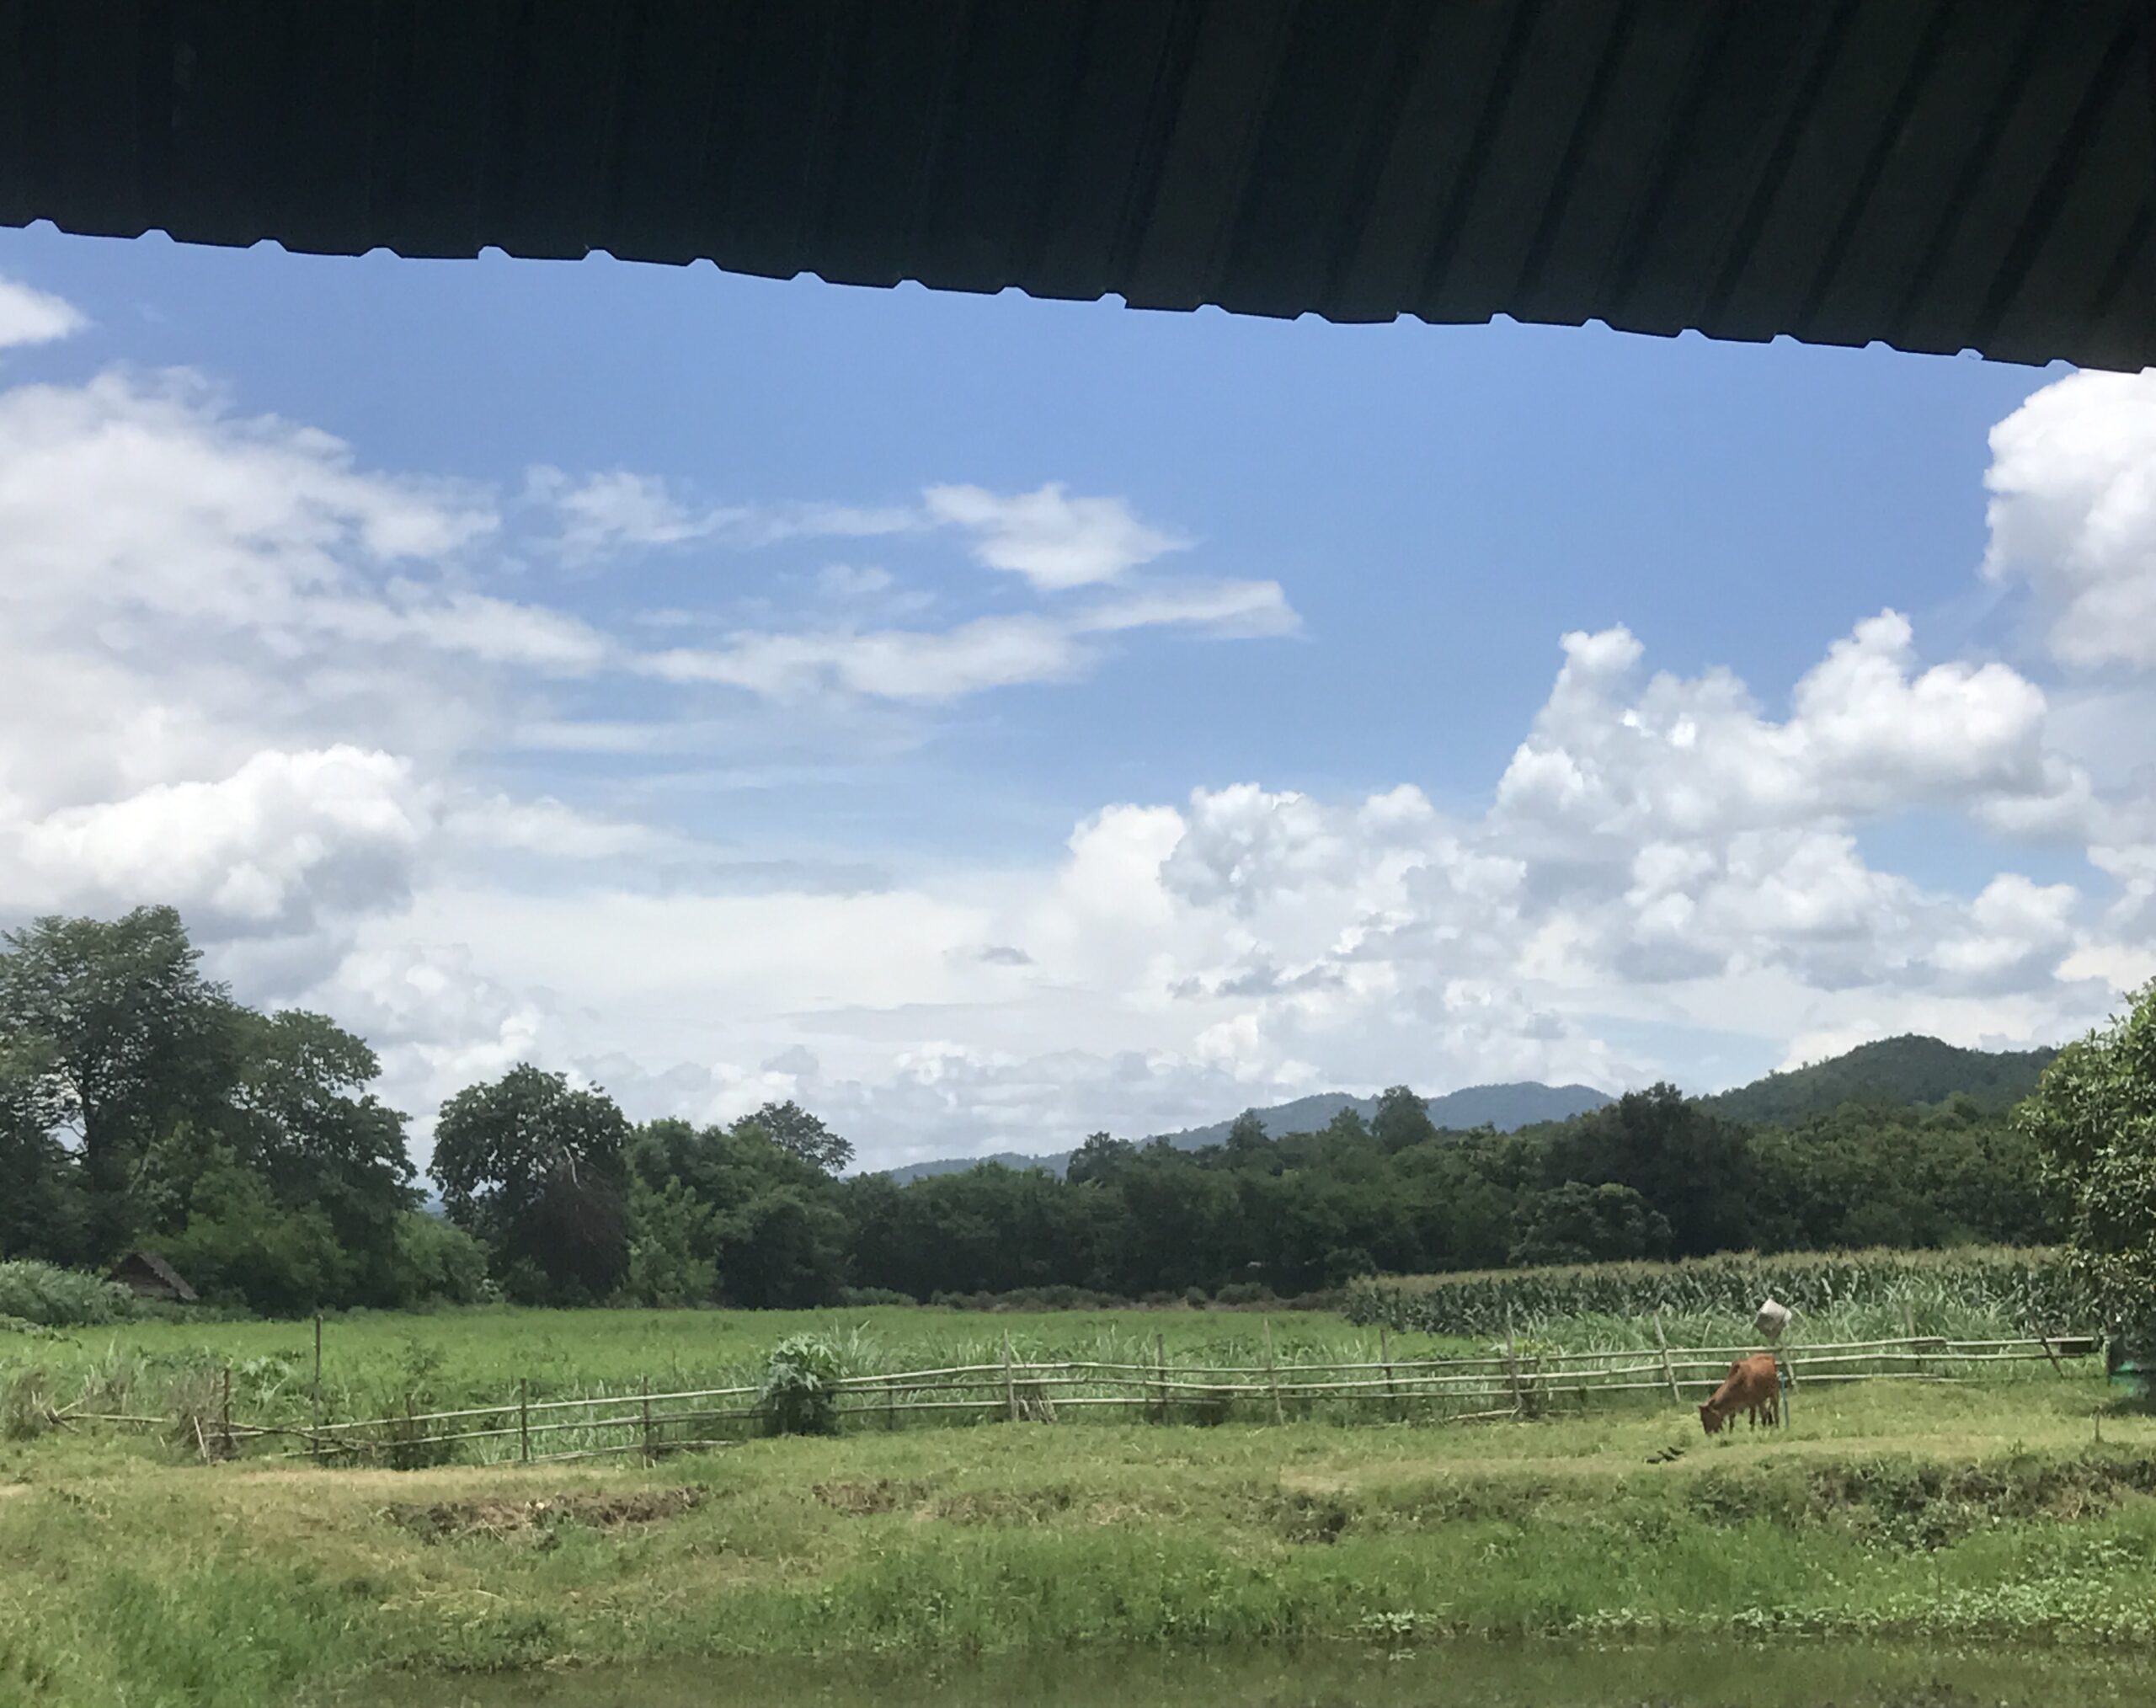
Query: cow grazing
[[1752, 1386]]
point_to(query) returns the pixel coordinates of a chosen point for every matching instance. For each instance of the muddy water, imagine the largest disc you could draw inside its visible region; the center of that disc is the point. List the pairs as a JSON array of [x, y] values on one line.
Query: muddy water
[[1452, 1675]]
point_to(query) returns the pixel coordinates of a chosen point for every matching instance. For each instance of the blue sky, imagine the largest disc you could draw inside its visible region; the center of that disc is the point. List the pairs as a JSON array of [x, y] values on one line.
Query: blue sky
[[1402, 521]]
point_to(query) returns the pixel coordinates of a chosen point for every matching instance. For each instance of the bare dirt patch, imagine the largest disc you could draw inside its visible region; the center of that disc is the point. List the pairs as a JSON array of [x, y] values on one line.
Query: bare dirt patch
[[535, 1521]]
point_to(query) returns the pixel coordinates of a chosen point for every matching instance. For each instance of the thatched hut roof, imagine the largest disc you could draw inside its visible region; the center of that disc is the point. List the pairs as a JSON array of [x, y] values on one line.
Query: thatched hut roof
[[151, 1277]]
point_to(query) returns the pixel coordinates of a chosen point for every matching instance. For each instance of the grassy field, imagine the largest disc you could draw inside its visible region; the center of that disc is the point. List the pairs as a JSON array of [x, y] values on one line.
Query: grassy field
[[372, 1364], [583, 1372], [2021, 1511]]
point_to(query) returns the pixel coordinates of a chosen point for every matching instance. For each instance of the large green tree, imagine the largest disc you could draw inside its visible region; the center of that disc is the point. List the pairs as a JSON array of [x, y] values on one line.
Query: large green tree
[[533, 1168], [122, 1039], [2094, 1113], [763, 1216], [800, 1134]]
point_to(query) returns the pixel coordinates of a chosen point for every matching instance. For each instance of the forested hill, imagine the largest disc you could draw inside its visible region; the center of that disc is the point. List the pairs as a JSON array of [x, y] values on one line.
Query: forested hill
[[1901, 1071], [1507, 1107]]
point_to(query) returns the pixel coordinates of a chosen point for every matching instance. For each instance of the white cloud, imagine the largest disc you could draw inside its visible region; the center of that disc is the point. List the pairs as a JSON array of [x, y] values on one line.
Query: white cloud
[[603, 515], [2073, 513], [1868, 733], [285, 840], [546, 826], [29, 316], [1055, 540], [607, 514], [989, 652]]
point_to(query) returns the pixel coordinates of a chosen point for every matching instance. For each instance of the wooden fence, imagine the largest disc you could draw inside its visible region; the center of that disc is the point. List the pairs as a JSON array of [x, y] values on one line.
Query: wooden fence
[[1513, 1382]]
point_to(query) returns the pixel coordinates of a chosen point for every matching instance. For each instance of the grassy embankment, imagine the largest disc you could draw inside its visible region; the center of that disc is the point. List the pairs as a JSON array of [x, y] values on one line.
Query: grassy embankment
[[129, 1579]]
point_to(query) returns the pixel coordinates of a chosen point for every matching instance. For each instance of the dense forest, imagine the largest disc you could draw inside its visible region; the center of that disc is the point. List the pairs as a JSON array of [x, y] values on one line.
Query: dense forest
[[141, 1108]]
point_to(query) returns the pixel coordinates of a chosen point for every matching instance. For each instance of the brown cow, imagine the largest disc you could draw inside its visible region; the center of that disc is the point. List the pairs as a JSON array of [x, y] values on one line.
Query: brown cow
[[1752, 1385]]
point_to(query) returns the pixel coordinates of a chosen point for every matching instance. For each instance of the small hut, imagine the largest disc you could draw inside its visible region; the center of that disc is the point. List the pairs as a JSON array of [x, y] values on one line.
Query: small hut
[[148, 1276]]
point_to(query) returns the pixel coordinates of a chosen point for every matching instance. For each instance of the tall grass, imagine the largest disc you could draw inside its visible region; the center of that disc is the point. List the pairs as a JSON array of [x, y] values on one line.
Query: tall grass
[[1944, 1292]]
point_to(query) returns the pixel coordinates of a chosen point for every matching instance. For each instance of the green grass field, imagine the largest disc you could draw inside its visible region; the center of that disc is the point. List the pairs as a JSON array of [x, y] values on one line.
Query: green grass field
[[1887, 1510], [372, 1363]]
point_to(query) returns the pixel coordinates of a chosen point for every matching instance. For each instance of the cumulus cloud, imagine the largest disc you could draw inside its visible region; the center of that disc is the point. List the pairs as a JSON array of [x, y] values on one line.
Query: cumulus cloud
[[1056, 542], [1868, 732], [2072, 513], [285, 840], [29, 316]]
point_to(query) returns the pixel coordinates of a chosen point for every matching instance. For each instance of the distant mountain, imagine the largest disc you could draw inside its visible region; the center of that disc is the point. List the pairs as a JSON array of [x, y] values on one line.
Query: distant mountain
[[1054, 1163], [1900, 1070], [1507, 1107]]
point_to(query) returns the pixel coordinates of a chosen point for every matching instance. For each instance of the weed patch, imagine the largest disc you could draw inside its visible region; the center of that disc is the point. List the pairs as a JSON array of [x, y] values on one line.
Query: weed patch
[[512, 1521]]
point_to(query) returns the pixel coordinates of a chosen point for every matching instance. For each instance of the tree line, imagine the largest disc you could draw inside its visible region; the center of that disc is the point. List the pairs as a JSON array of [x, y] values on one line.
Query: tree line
[[140, 1106]]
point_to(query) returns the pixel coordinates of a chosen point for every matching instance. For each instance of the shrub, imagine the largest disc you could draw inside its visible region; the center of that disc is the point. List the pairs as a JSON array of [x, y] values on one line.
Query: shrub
[[861, 1298], [800, 1394], [1244, 1293], [56, 1298]]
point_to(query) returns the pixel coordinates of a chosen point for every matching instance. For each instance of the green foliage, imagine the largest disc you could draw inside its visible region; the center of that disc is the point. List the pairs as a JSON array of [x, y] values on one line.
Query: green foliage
[[238, 1245], [803, 1136], [1898, 1072], [1579, 1224], [1401, 1119], [533, 1169], [2036, 1290], [56, 1298], [800, 1389], [115, 1035], [2095, 1117], [671, 1236], [437, 1263]]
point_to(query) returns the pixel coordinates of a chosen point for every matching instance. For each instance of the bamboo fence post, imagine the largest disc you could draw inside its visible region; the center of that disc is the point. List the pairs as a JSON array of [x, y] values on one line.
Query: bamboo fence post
[[1668, 1370], [643, 1387], [1385, 1356], [890, 1407], [225, 1416], [1010, 1382], [523, 1420], [1909, 1324], [1161, 1365], [1782, 1388], [1272, 1374], [1511, 1368], [315, 1415], [2044, 1341]]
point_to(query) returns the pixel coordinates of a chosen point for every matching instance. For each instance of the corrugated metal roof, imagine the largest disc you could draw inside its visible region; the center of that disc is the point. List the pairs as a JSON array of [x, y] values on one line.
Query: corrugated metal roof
[[1940, 174]]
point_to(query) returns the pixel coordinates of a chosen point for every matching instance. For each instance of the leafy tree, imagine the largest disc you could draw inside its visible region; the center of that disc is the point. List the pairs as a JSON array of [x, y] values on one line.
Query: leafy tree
[[2094, 1113], [239, 1245], [124, 1037], [775, 1235], [800, 1134], [1696, 1169], [437, 1261], [301, 1115], [671, 1239], [534, 1169], [1246, 1142], [1100, 1160], [1575, 1223], [1401, 1119], [40, 1209]]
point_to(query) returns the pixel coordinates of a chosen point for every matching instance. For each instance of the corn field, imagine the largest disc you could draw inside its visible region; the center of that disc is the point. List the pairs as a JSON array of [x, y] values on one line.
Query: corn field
[[1938, 1292]]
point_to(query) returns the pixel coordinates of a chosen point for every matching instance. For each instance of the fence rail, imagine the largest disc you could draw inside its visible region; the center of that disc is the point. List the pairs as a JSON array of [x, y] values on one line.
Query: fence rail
[[1518, 1383]]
